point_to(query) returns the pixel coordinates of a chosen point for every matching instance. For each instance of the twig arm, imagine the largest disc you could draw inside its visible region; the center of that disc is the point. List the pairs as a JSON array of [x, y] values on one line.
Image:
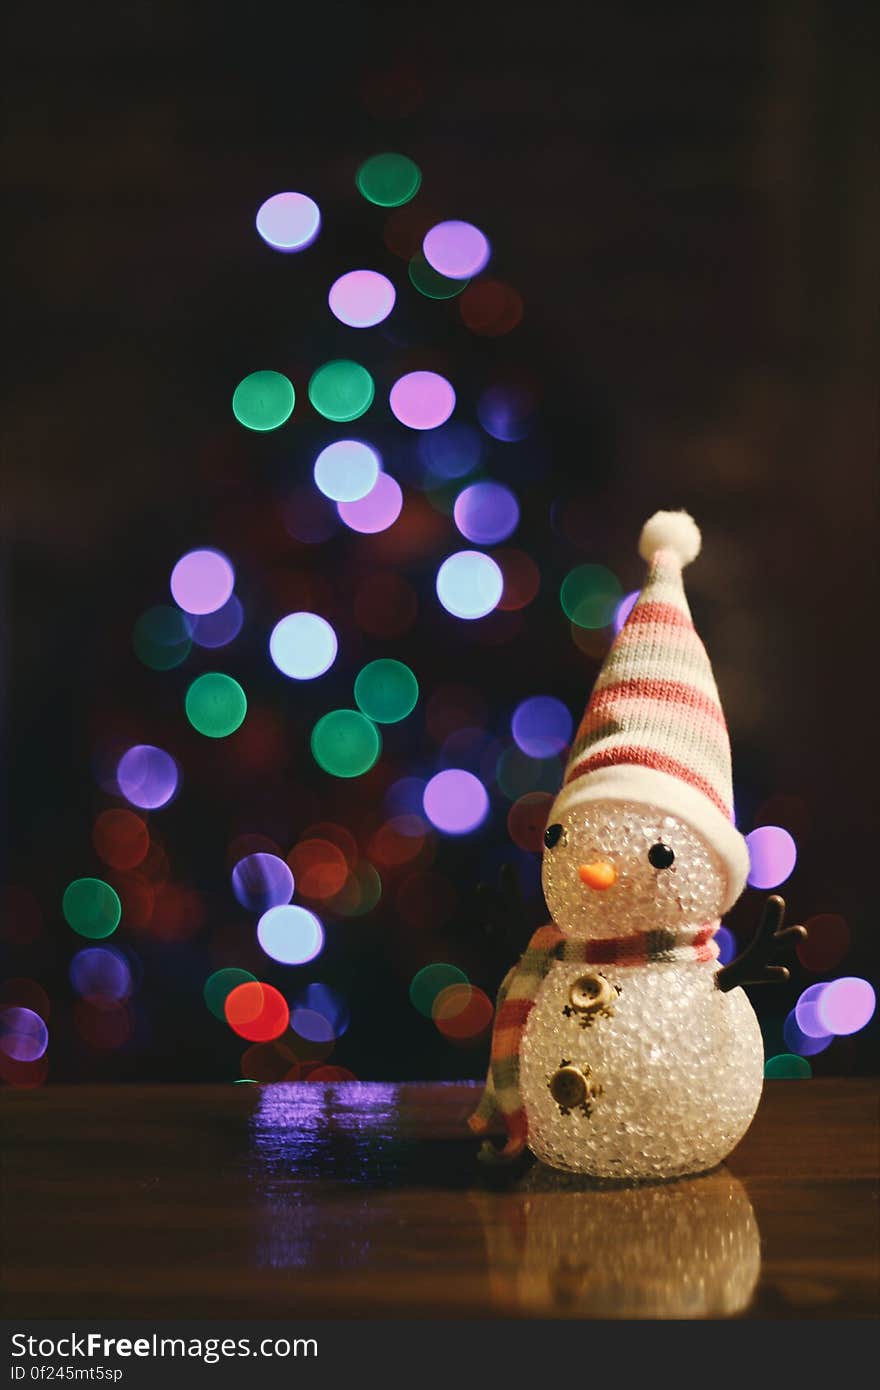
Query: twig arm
[[753, 966]]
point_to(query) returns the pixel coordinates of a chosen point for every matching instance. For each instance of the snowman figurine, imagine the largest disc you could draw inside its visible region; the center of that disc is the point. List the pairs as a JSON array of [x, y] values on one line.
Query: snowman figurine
[[619, 1048]]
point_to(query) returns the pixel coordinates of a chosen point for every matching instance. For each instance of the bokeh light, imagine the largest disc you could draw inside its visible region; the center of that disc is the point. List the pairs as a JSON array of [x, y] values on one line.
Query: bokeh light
[[377, 511], [541, 726], [589, 596], [161, 638], [291, 935], [323, 1005], [346, 470], [221, 983], [427, 983], [462, 1013], [422, 400], [386, 690], [455, 801], [360, 893], [147, 776], [486, 513], [24, 1036], [521, 578], [827, 942], [456, 249], [469, 584], [726, 943], [388, 180], [289, 221], [425, 279], [215, 705], [256, 1011], [804, 1044], [261, 881], [202, 581], [303, 646], [218, 629], [772, 856], [362, 298], [320, 867], [308, 516], [101, 974], [263, 401], [505, 411], [341, 390], [121, 839], [624, 608], [787, 1067], [345, 743], [806, 1012], [451, 451], [91, 907], [490, 308], [20, 992], [517, 774], [846, 1005], [527, 820]]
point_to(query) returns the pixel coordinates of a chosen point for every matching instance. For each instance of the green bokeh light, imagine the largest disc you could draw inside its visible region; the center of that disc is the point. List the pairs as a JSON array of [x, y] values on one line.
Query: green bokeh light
[[388, 180], [221, 983], [787, 1067], [360, 893], [91, 907], [341, 390], [215, 705], [427, 983], [161, 639], [386, 690], [430, 282], [345, 743], [589, 596], [263, 401]]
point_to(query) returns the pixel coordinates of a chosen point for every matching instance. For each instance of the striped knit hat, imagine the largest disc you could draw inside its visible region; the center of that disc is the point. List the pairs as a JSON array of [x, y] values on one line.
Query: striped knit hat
[[653, 731]]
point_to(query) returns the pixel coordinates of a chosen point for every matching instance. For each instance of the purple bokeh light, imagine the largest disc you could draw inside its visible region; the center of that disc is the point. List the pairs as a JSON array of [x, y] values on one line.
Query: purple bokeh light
[[772, 855], [405, 796], [422, 400], [24, 1036], [218, 629], [457, 250], [202, 581], [261, 881], [806, 1012], [289, 221], [101, 973], [486, 513], [377, 511], [801, 1043], [455, 801], [147, 776], [541, 726], [319, 1014], [505, 413], [362, 298], [624, 608], [846, 1005], [451, 451], [726, 942]]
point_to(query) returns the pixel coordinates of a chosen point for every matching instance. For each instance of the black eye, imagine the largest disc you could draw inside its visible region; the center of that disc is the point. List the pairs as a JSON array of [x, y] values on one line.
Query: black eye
[[661, 856], [552, 835]]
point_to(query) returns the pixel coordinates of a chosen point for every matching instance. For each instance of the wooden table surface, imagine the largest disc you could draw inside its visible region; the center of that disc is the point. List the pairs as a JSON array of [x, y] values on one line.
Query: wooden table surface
[[364, 1200]]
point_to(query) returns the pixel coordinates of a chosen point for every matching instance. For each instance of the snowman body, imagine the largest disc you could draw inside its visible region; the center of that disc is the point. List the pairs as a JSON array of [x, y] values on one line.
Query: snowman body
[[661, 1080], [633, 1064]]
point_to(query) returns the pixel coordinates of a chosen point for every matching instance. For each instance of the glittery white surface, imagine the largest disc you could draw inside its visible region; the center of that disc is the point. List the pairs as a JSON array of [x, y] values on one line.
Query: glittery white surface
[[643, 898], [679, 1064], [670, 1250]]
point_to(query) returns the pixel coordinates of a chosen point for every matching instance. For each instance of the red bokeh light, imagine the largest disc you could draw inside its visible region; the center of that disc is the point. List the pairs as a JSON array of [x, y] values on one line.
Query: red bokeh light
[[256, 1011]]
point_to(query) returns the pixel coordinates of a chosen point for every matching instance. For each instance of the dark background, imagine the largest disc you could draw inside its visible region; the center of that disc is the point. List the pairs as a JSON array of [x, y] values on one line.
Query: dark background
[[686, 198]]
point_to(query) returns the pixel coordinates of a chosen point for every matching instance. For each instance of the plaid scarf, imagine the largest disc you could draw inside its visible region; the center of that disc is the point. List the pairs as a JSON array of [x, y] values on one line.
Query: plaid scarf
[[501, 1099]]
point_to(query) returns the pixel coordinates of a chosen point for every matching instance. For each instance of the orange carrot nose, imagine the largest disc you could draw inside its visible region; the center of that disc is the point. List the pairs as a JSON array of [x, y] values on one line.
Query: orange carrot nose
[[599, 875]]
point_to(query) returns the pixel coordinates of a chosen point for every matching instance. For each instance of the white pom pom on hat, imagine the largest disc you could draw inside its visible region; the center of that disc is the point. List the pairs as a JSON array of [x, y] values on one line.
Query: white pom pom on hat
[[675, 531]]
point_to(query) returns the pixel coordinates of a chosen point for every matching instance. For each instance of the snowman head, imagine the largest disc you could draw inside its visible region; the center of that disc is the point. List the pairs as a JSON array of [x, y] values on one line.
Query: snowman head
[[612, 868]]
